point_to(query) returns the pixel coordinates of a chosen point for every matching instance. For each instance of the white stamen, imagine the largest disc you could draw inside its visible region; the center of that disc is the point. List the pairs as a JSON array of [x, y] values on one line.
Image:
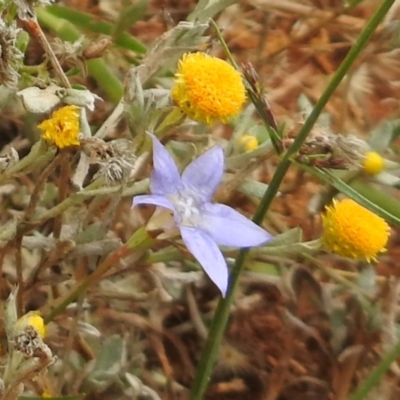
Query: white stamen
[[187, 209]]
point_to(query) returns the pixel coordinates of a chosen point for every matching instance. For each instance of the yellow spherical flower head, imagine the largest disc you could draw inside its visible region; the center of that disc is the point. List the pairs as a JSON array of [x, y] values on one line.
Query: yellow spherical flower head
[[351, 230], [247, 143], [34, 319], [208, 89], [373, 163], [62, 129]]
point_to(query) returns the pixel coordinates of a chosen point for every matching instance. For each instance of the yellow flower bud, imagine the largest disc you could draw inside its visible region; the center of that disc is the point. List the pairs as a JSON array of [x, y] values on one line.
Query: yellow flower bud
[[247, 143], [34, 319], [373, 163]]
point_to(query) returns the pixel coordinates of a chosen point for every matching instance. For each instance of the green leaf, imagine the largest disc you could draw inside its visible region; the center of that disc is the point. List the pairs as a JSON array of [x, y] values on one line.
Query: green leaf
[[89, 22], [377, 196], [392, 216], [384, 134], [291, 249], [108, 365], [129, 15], [291, 236], [207, 9], [254, 188], [263, 268]]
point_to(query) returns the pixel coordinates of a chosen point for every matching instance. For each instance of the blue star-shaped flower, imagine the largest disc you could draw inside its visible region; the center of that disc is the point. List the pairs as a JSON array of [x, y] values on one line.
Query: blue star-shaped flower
[[203, 225]]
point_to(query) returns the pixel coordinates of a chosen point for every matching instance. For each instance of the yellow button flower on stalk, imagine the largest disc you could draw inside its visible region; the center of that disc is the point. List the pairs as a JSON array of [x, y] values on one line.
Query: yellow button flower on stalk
[[207, 89], [34, 319], [351, 230], [247, 143], [373, 163], [62, 129]]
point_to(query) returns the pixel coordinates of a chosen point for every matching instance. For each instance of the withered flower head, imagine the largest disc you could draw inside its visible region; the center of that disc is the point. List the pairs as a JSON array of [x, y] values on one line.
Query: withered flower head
[[70, 53], [10, 55], [25, 7], [74, 54], [116, 170], [115, 160], [327, 150], [29, 342]]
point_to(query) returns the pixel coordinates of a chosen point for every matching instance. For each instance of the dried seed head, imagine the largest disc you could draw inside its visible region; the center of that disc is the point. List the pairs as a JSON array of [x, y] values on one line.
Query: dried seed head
[[115, 159], [70, 53], [10, 55], [333, 151], [30, 344], [74, 54], [352, 149], [117, 168], [97, 48], [9, 159], [25, 7], [115, 171]]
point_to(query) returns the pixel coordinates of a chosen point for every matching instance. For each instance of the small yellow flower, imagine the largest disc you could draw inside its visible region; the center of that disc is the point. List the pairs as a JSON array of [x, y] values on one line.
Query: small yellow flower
[[34, 319], [46, 394], [207, 88], [62, 128], [351, 230], [247, 143], [373, 163]]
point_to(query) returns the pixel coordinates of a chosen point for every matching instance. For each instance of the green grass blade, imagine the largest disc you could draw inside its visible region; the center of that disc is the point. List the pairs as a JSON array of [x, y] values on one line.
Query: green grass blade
[[90, 23], [376, 201]]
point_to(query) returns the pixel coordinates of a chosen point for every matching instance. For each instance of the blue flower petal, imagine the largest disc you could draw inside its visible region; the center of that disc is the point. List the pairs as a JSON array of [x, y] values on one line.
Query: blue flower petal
[[227, 227], [204, 174], [165, 178], [207, 253], [155, 200]]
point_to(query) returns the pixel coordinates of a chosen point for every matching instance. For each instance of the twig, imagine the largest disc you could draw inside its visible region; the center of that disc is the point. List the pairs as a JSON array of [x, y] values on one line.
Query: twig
[[33, 27]]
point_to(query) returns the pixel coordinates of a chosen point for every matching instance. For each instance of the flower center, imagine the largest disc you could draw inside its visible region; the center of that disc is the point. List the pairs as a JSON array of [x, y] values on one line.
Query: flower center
[[187, 209]]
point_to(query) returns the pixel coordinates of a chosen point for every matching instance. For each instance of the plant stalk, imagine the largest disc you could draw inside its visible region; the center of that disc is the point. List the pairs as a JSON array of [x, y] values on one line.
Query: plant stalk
[[210, 351]]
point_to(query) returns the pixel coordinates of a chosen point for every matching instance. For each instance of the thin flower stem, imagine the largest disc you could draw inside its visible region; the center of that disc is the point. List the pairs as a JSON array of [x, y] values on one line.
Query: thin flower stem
[[223, 43], [210, 351], [257, 97]]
